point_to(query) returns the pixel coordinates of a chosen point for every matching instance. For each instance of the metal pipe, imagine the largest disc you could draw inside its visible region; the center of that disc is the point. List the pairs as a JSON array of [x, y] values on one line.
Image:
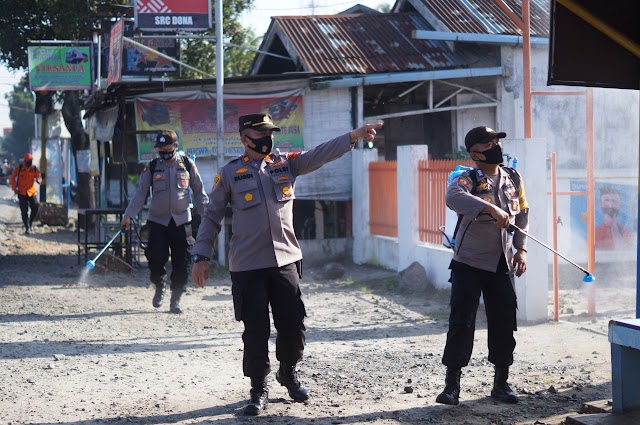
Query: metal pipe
[[502, 39], [92, 263], [554, 215], [591, 200], [526, 65], [222, 239], [582, 269]]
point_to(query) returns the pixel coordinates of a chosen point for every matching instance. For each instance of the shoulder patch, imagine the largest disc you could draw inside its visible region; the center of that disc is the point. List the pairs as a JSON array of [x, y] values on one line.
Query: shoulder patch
[[216, 180], [293, 154], [464, 181]]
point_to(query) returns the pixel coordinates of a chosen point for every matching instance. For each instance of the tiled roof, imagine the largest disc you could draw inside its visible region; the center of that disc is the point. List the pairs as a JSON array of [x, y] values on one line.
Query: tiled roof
[[363, 43], [486, 17]]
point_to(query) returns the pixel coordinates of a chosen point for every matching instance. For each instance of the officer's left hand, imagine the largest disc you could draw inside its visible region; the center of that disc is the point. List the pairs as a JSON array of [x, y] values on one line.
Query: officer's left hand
[[367, 132], [520, 262], [200, 273]]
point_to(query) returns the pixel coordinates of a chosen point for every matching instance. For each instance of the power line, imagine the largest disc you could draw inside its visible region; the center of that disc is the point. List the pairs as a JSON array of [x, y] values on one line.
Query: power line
[[307, 7]]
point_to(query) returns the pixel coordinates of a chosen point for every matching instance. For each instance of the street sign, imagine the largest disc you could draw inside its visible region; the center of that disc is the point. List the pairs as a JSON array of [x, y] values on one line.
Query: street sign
[[172, 15]]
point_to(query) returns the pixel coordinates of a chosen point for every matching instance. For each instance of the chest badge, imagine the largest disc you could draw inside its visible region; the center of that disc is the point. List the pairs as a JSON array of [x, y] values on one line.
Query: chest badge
[[248, 197], [286, 191], [241, 170], [283, 178]]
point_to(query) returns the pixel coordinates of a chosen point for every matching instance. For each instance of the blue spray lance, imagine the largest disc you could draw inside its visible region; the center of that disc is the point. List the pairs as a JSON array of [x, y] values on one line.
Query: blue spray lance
[[91, 264]]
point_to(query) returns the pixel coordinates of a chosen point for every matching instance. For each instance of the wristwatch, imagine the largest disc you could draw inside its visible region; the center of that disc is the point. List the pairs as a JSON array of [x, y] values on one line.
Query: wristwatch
[[197, 257]]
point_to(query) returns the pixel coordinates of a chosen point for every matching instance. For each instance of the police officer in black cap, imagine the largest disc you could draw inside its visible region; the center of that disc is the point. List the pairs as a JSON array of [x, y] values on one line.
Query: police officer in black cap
[[265, 257], [490, 198], [169, 177]]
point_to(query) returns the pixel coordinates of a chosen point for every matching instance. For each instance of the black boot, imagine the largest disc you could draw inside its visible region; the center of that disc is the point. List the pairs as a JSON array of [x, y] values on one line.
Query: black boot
[[158, 297], [259, 397], [287, 376], [501, 389], [175, 307], [451, 393]]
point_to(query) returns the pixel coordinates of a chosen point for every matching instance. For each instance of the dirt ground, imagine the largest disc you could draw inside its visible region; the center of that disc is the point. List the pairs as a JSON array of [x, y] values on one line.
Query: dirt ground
[[92, 350]]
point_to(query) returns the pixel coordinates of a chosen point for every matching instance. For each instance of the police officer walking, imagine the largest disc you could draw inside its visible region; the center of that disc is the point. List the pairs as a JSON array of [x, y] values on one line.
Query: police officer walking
[[169, 178], [264, 256], [489, 198]]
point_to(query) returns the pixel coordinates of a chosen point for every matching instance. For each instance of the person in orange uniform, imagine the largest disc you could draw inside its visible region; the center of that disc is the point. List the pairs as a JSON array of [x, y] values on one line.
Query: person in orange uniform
[[23, 183]]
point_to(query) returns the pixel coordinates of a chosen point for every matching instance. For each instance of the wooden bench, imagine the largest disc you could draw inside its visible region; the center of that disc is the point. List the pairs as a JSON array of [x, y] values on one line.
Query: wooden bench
[[624, 336]]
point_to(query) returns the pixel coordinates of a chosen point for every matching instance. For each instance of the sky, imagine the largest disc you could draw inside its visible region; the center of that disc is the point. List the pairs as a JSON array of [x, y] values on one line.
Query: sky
[[258, 18]]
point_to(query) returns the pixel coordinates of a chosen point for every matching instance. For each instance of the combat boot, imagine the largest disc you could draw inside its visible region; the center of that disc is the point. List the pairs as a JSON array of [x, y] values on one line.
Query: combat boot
[[287, 376], [501, 390], [158, 297], [259, 397], [451, 393], [174, 306]]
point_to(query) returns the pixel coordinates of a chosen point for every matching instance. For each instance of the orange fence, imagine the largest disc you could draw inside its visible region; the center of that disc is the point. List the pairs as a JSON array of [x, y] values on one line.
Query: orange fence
[[432, 187], [383, 198]]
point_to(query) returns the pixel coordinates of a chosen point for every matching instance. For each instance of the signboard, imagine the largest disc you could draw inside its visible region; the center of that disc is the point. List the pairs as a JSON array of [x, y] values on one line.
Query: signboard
[[138, 61], [192, 115], [115, 53], [172, 15], [59, 68]]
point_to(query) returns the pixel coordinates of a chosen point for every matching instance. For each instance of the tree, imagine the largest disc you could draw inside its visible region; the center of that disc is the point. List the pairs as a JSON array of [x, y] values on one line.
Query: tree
[[24, 20], [21, 104]]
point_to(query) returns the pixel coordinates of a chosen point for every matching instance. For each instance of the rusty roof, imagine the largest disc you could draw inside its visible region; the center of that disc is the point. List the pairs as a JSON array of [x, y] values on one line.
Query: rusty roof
[[486, 17], [363, 43]]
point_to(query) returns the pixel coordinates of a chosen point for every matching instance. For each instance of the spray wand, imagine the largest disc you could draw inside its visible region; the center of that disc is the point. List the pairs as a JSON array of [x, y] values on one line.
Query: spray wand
[[588, 276], [92, 263]]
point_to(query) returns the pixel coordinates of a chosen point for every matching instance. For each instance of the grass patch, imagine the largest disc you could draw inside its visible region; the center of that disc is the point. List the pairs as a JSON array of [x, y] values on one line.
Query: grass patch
[[384, 285]]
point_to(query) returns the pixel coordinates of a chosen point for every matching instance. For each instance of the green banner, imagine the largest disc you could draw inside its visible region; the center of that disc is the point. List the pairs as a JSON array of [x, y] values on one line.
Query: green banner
[[59, 68]]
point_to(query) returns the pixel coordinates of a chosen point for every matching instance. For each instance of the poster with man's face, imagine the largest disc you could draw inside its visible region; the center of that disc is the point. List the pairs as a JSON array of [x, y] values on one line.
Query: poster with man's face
[[615, 215]]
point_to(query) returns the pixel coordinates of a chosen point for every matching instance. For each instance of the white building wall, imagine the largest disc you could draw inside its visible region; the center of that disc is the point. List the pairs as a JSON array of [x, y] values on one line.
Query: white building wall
[[327, 114]]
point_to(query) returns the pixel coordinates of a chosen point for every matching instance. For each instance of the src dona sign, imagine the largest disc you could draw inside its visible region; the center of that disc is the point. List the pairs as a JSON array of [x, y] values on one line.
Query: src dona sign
[[173, 15]]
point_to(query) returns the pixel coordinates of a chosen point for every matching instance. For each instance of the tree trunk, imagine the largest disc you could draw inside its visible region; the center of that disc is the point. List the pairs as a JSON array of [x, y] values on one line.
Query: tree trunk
[[71, 112]]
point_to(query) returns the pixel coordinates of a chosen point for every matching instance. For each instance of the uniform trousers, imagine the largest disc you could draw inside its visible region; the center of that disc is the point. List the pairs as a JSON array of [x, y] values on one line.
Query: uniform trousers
[[27, 202], [253, 291], [173, 239], [467, 283]]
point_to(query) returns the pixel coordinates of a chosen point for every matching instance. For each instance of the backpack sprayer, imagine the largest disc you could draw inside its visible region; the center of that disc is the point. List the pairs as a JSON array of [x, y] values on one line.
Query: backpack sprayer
[[91, 264], [512, 162]]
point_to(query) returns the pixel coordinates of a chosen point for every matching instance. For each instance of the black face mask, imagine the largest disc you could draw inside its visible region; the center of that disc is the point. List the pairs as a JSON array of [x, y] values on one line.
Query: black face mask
[[492, 156], [167, 155], [28, 163], [263, 144]]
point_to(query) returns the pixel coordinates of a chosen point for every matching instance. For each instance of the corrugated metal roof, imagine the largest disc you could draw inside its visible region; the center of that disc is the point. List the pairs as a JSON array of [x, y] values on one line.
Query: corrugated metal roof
[[486, 17], [364, 43]]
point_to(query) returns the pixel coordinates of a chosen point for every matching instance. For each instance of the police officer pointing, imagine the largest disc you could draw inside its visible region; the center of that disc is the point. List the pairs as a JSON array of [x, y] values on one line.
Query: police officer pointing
[[169, 178], [264, 256], [489, 198]]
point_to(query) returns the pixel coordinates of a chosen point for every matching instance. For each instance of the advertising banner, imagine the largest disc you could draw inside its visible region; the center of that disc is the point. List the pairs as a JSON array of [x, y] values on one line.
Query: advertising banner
[[192, 115], [139, 61], [172, 15], [115, 53], [59, 68]]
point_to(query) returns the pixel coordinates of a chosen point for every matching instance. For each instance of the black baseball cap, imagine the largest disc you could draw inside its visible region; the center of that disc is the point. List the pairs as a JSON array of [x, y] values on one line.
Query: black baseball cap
[[482, 135], [259, 122], [165, 138]]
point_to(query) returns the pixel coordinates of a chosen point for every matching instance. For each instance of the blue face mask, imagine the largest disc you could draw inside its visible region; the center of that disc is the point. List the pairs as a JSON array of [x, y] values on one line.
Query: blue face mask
[[263, 144]]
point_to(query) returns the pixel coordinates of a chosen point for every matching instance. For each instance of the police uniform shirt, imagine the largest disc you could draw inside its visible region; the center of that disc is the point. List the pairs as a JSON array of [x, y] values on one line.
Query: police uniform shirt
[[169, 185], [260, 194], [479, 242]]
